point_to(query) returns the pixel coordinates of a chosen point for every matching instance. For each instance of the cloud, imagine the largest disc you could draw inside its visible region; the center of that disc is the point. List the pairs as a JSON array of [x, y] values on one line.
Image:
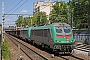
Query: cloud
[[23, 10]]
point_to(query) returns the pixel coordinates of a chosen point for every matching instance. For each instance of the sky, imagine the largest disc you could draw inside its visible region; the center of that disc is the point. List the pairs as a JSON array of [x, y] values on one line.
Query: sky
[[26, 7]]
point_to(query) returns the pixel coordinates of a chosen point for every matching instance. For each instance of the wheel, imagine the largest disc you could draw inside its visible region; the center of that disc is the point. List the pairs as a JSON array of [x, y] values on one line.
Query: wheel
[[33, 42], [42, 45]]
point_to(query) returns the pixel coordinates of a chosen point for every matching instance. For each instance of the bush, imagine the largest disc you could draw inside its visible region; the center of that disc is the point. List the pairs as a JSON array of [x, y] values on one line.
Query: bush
[[85, 42], [5, 50]]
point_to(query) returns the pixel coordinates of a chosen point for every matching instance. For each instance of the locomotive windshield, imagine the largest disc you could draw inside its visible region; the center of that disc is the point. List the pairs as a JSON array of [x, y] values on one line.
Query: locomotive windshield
[[67, 30], [64, 29], [58, 30]]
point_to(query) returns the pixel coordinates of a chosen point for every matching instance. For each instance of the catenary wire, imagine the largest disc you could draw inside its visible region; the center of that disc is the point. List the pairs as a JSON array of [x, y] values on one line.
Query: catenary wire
[[18, 7], [15, 6]]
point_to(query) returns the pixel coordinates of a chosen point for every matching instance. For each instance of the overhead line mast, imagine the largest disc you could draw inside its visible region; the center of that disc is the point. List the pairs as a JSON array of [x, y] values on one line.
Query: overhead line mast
[[2, 20]]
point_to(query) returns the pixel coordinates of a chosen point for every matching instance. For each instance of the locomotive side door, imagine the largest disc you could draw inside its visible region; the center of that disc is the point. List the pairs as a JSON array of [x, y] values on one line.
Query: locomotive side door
[[47, 36]]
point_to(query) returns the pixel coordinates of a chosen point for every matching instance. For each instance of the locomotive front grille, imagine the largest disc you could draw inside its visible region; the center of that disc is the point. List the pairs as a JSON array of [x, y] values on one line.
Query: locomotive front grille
[[63, 48]]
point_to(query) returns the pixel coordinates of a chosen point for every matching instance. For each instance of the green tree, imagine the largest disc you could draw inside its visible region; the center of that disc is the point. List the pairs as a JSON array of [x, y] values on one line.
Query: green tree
[[80, 13], [23, 21], [19, 21], [39, 18], [59, 12], [27, 21]]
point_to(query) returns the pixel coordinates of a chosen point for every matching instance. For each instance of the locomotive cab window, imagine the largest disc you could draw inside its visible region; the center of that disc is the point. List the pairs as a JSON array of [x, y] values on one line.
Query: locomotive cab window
[[58, 30], [47, 33], [67, 29]]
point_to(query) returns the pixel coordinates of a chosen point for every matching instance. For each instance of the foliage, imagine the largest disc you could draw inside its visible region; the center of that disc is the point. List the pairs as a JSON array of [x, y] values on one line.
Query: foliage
[[39, 18], [5, 50], [19, 21], [81, 13], [59, 12], [27, 21], [85, 41], [23, 21]]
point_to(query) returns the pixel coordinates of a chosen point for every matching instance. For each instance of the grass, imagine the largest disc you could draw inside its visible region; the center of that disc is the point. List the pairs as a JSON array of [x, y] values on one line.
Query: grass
[[5, 50]]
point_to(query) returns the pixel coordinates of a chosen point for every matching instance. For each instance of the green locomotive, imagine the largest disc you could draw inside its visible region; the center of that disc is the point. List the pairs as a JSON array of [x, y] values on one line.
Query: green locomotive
[[57, 36]]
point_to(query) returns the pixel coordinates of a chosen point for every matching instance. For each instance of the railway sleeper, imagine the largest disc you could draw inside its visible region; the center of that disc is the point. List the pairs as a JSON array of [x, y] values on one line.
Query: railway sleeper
[[84, 49], [63, 48]]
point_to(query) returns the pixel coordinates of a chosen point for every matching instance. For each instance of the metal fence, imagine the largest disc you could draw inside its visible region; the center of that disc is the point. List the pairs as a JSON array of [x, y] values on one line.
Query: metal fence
[[81, 35]]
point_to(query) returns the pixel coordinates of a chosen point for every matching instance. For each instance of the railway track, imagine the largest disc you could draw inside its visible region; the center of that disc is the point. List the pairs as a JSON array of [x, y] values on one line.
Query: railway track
[[82, 49], [28, 51], [81, 52], [33, 56], [70, 57]]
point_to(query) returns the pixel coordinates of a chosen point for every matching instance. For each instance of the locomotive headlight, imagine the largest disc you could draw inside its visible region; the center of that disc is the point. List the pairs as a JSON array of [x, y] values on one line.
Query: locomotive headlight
[[57, 41], [71, 41]]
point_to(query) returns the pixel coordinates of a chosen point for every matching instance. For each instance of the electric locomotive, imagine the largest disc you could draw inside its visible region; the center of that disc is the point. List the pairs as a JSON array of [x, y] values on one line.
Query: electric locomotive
[[57, 36]]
